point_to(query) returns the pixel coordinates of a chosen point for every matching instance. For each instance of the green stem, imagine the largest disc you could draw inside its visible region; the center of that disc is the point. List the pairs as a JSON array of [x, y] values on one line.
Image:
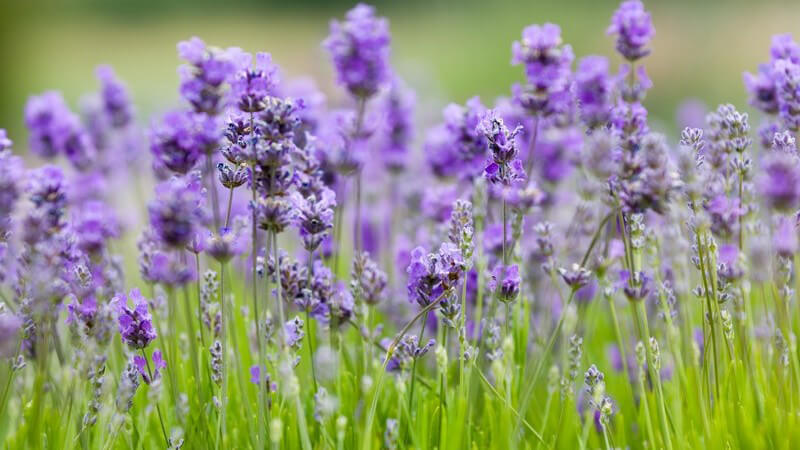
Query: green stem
[[414, 366], [158, 408]]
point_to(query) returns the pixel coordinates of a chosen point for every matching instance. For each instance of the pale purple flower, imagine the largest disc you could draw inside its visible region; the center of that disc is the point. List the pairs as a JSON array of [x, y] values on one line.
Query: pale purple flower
[[114, 96], [252, 84], [181, 138], [135, 324], [593, 91], [203, 79], [398, 110], [10, 325], [634, 29], [504, 282], [314, 216], [547, 68], [293, 332], [159, 364], [178, 209], [359, 48]]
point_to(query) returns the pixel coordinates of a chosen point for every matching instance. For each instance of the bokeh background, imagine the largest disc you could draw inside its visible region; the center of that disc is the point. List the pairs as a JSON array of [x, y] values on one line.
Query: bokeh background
[[448, 50]]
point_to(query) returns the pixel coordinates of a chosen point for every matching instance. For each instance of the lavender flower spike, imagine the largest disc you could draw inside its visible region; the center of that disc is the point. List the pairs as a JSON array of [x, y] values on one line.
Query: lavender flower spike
[[504, 282], [505, 166], [634, 29], [314, 216], [359, 48], [135, 324]]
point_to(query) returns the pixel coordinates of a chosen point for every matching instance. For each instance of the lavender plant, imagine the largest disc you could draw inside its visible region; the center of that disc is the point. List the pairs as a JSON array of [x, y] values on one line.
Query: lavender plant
[[492, 251]]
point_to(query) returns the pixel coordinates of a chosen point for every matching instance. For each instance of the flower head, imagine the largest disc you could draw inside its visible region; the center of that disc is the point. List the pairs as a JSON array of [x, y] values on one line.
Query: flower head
[[504, 282], [181, 138], [359, 48], [547, 68], [505, 166], [135, 324], [431, 275], [634, 29], [178, 209], [367, 280], [203, 78], [314, 216], [143, 367], [114, 97], [252, 84], [593, 89]]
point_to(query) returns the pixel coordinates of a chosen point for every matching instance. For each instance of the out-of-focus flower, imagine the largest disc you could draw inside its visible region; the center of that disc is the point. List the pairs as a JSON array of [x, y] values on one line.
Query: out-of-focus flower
[[634, 29], [359, 48]]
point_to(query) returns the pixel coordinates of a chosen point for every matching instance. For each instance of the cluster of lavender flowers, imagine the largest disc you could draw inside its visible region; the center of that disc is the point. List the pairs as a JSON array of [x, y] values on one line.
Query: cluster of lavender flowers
[[489, 244]]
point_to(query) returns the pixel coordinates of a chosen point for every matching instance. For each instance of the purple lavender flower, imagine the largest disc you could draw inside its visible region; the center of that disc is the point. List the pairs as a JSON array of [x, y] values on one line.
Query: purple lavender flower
[[634, 30], [779, 183], [202, 80], [135, 324], [293, 332], [232, 177], [505, 167], [161, 264], [94, 224], [761, 88], [629, 124], [229, 242], [462, 135], [253, 84], [593, 90], [504, 282], [437, 201], [274, 213], [178, 209], [367, 280], [784, 47], [576, 277], [398, 110], [114, 96], [787, 85], [180, 138], [636, 287], [42, 116], [724, 213], [407, 350], [342, 304], [547, 68], [314, 216], [9, 334], [158, 365], [785, 238], [48, 192], [12, 170], [431, 275], [359, 48]]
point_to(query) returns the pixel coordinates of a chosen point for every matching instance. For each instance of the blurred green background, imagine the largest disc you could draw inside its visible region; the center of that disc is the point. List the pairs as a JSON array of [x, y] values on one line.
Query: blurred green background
[[449, 50]]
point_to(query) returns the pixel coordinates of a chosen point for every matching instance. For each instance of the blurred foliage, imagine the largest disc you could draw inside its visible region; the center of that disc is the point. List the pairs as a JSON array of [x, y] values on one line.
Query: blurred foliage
[[449, 50]]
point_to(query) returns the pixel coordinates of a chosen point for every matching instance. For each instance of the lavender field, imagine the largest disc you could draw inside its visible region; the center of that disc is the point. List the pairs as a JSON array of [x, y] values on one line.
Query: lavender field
[[281, 261]]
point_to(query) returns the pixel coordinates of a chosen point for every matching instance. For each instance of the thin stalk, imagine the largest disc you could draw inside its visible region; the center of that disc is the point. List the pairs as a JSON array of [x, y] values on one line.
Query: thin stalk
[[158, 408], [211, 187], [199, 316], [224, 340], [414, 365], [228, 209], [310, 337], [192, 340]]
